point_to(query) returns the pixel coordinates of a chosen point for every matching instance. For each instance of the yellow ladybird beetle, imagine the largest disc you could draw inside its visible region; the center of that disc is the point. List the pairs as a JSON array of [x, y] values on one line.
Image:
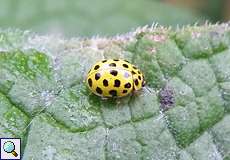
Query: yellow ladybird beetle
[[114, 78]]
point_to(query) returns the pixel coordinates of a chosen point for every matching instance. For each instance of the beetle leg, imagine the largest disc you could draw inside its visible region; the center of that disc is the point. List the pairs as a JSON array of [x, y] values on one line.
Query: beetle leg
[[104, 98], [118, 101]]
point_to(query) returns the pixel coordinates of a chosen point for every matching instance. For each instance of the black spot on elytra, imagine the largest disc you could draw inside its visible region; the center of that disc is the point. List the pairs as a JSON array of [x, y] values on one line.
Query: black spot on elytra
[[126, 61], [97, 76], [89, 71], [90, 82], [98, 90], [126, 75], [113, 72], [105, 83], [113, 93], [112, 64], [128, 85], [136, 82], [138, 72], [139, 77], [134, 67], [104, 61], [124, 91], [117, 83], [167, 99], [96, 67], [116, 59], [134, 72], [125, 65]]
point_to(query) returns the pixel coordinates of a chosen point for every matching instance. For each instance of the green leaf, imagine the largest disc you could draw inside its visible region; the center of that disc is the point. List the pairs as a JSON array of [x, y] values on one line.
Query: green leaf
[[182, 113]]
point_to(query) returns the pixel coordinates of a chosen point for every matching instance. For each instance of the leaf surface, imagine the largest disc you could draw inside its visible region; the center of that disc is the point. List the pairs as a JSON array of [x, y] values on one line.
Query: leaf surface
[[182, 113]]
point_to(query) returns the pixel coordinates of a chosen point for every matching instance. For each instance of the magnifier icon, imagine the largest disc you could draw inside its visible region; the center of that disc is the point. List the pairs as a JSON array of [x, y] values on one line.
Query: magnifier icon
[[9, 147]]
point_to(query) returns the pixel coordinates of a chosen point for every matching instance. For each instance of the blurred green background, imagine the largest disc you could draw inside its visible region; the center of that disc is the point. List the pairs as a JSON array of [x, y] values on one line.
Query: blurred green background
[[72, 18]]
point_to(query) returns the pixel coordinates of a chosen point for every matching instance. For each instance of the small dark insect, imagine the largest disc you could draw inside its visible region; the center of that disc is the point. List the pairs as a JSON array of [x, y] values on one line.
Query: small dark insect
[[167, 99]]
